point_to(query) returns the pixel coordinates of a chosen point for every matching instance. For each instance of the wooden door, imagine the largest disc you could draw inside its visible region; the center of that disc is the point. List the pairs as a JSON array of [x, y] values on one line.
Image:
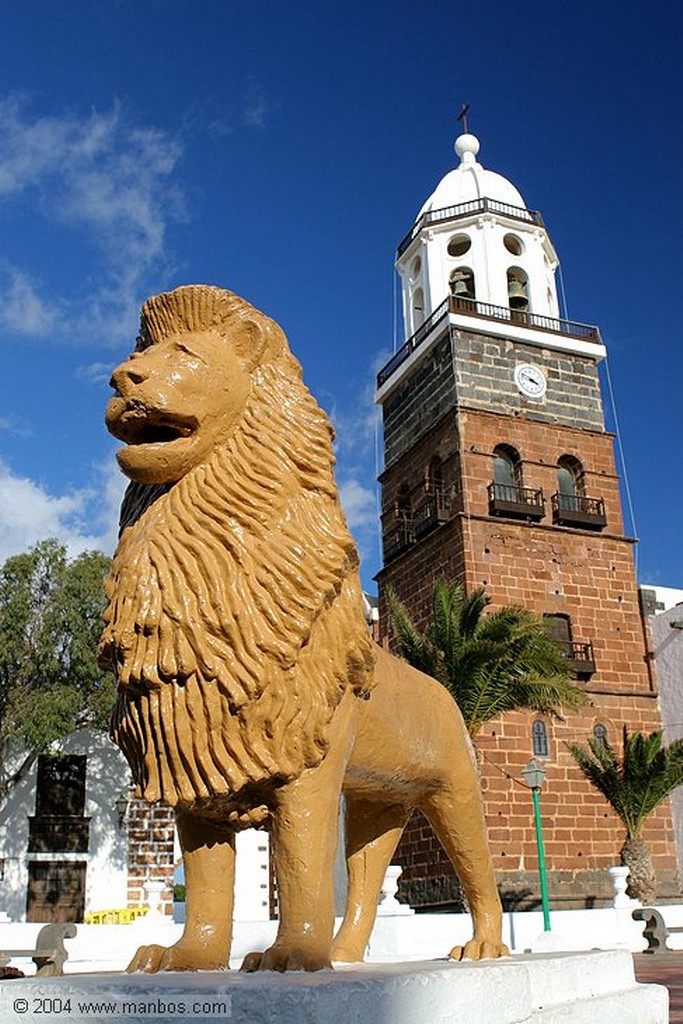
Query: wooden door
[[56, 891]]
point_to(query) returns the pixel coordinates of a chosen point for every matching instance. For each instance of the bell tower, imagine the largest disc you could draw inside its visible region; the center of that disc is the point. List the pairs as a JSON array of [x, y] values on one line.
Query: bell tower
[[474, 237], [499, 472]]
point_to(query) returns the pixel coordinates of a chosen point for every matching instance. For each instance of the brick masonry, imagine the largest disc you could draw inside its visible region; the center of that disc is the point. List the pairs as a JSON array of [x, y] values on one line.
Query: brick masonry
[[151, 831], [585, 574], [477, 371], [419, 403], [485, 376]]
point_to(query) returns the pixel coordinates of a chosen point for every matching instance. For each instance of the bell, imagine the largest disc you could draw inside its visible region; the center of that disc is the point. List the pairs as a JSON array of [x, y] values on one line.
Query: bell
[[460, 288], [517, 295]]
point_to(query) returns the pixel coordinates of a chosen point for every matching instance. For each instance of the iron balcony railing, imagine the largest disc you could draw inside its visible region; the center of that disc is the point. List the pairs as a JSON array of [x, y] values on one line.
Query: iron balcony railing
[[399, 537], [51, 833], [485, 311], [475, 206], [578, 510], [513, 500], [581, 657], [434, 510], [413, 342]]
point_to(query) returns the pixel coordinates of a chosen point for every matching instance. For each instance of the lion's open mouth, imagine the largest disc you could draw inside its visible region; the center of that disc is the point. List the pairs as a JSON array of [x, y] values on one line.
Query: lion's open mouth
[[138, 426]]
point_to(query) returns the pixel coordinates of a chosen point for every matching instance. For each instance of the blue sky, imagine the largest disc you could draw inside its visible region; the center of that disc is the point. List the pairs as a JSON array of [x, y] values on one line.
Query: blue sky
[[282, 150]]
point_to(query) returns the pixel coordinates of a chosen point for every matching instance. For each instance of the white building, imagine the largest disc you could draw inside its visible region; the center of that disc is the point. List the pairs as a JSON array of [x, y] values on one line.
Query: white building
[[667, 638], [61, 847]]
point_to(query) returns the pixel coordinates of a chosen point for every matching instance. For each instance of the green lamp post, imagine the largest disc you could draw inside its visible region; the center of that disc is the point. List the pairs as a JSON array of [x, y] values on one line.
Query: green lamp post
[[534, 776]]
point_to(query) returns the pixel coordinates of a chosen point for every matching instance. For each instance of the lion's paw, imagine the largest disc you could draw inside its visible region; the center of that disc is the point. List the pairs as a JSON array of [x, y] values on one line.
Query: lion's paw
[[284, 958], [181, 957], [479, 949]]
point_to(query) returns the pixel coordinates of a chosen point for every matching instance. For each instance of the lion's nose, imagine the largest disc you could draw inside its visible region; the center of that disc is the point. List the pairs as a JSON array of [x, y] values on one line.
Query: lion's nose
[[126, 373]]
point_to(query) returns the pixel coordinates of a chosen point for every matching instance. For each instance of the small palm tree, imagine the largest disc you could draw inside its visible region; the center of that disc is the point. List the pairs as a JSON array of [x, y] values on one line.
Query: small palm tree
[[634, 785], [503, 661]]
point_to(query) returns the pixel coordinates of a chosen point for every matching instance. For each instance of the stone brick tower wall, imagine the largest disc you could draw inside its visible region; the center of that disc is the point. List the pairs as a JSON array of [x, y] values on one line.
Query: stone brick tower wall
[[150, 852], [444, 420]]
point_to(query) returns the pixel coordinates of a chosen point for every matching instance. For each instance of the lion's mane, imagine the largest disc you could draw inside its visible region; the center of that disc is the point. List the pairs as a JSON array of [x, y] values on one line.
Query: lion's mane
[[235, 621]]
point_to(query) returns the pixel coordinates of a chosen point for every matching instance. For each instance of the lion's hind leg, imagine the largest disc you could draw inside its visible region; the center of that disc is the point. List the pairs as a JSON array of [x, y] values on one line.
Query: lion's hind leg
[[455, 812], [372, 834]]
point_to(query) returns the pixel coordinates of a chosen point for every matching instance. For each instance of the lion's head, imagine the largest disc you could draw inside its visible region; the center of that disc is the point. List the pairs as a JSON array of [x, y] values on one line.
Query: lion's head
[[183, 389], [235, 622]]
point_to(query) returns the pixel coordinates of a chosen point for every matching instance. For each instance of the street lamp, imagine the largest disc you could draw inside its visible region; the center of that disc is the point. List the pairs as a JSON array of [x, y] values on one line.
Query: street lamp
[[121, 808], [534, 776]]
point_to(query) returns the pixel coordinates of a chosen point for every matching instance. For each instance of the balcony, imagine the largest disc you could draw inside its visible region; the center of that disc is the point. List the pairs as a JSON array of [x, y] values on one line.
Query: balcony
[[470, 209], [399, 537], [581, 658], [578, 510], [485, 311], [51, 833], [516, 502], [433, 511]]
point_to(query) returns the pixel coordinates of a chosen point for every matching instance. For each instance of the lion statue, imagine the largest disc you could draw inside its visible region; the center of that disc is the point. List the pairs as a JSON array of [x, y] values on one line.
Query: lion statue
[[249, 690]]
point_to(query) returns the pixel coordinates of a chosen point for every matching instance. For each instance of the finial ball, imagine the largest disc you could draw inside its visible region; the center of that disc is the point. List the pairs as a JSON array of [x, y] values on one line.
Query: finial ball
[[467, 145]]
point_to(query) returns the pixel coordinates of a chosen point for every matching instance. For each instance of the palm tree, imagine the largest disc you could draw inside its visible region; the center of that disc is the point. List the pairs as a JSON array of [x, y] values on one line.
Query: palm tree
[[634, 785], [503, 661]]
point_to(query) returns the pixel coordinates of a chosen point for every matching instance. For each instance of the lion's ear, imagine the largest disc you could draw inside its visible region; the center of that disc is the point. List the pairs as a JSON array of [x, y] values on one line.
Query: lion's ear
[[262, 341]]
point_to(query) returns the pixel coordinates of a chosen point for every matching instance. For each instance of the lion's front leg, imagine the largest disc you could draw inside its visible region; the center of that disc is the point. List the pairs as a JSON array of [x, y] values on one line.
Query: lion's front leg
[[304, 837], [304, 841], [209, 859]]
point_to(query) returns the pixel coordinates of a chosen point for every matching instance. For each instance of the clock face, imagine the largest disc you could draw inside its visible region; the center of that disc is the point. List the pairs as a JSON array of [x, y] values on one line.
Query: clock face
[[530, 380]]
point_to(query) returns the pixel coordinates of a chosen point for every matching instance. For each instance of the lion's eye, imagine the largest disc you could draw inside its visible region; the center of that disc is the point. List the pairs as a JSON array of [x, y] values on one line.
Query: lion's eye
[[182, 347]]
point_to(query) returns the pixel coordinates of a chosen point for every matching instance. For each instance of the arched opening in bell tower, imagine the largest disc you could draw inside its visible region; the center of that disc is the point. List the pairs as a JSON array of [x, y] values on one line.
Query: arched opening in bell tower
[[518, 290], [418, 308], [461, 283]]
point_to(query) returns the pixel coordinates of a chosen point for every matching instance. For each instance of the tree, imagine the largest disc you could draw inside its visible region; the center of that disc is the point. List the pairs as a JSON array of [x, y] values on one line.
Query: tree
[[634, 784], [50, 683], [503, 661]]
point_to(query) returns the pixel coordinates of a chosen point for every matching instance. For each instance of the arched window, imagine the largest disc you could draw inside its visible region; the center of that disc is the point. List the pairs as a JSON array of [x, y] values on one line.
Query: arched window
[[518, 290], [507, 466], [560, 629], [508, 495], [570, 476], [570, 483], [461, 283], [600, 735], [539, 738], [418, 308], [434, 476]]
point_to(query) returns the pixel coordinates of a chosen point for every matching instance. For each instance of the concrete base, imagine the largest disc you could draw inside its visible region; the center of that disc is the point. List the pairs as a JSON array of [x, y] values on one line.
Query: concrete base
[[104, 948], [571, 988]]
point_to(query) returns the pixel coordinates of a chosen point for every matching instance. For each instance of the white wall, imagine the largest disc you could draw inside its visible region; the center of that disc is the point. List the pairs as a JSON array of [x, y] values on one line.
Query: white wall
[[668, 648], [668, 596]]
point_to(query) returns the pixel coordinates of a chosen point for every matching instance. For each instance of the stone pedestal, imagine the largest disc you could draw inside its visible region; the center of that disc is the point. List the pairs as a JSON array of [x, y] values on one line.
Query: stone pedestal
[[575, 988], [619, 877]]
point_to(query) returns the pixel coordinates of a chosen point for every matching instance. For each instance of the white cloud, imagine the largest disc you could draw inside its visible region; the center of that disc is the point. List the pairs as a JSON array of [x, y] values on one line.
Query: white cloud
[[22, 310], [255, 107], [106, 179], [82, 520], [358, 452], [360, 506], [15, 425], [359, 503], [95, 373]]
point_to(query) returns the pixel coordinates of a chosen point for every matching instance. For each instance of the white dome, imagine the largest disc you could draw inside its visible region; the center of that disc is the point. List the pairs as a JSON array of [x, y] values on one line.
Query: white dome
[[471, 181]]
